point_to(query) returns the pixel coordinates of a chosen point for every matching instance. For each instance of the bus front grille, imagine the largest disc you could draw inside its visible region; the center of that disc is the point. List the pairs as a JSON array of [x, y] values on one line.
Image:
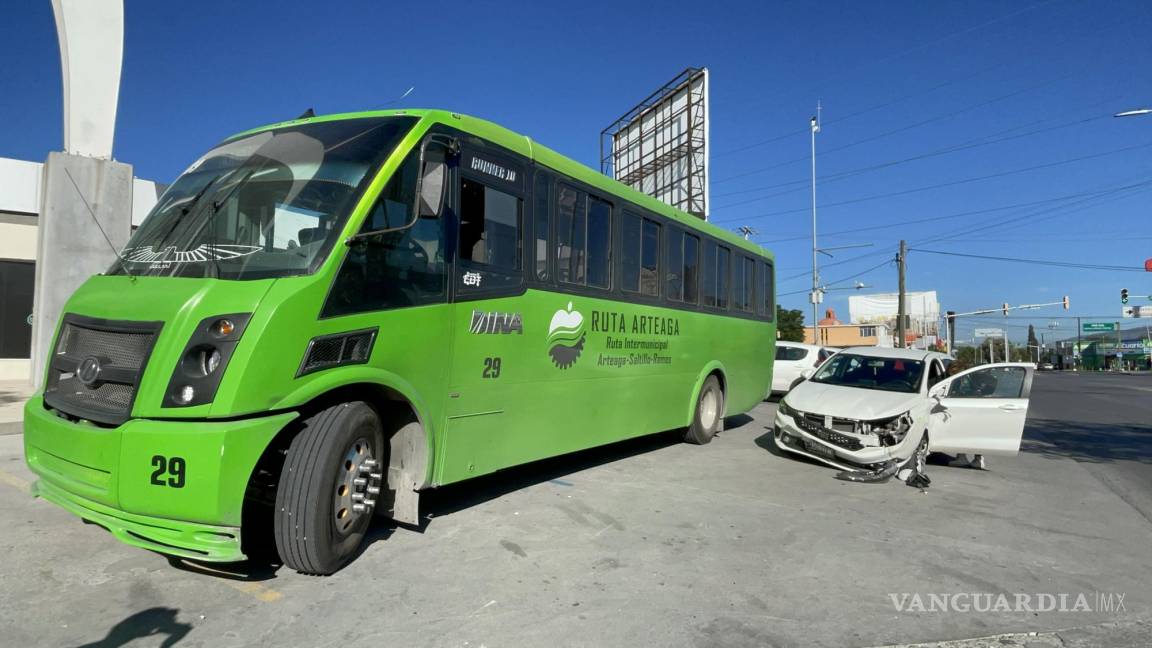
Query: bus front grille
[[96, 367]]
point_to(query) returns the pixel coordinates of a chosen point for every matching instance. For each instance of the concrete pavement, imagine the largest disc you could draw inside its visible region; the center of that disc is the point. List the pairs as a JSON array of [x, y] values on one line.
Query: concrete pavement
[[13, 394], [648, 542]]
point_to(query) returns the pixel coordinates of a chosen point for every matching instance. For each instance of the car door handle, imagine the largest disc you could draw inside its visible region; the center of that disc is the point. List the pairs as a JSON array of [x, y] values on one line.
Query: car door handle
[[1011, 407]]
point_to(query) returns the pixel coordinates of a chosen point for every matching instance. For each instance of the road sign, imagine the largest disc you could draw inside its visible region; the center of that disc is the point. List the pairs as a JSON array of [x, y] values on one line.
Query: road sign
[[989, 332], [1093, 327]]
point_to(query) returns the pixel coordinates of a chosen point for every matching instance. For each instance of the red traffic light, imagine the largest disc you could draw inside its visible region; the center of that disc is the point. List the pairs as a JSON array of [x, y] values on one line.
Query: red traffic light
[[1148, 265]]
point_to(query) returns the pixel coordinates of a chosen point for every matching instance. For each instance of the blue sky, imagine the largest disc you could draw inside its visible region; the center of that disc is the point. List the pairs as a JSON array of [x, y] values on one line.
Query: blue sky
[[970, 89]]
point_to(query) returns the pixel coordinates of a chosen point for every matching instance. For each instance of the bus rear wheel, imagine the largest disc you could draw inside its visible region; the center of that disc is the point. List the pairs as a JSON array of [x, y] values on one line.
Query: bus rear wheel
[[709, 414], [328, 487]]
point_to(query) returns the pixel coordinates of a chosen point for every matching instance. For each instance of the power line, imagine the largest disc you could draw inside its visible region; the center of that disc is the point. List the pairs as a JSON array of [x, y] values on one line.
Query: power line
[[916, 221], [1059, 264], [962, 146], [952, 183]]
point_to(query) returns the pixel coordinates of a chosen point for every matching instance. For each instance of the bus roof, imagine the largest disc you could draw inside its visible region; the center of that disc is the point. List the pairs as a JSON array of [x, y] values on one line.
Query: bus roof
[[536, 152]]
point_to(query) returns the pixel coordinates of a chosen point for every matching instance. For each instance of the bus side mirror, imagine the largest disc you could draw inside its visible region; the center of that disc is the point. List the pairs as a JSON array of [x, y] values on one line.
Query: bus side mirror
[[432, 185]]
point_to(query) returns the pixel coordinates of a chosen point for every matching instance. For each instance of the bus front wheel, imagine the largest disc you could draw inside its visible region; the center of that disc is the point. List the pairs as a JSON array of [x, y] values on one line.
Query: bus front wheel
[[709, 413], [328, 487]]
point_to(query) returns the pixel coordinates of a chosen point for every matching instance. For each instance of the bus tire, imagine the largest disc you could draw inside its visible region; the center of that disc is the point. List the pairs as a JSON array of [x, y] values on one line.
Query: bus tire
[[316, 529], [709, 415]]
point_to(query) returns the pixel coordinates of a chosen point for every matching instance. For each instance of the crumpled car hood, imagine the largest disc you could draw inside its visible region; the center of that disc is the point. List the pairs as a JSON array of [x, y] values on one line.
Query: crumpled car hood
[[850, 402]]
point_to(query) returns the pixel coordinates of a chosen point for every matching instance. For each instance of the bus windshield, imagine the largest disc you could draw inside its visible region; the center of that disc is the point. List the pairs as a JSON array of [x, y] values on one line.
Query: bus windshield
[[270, 204]]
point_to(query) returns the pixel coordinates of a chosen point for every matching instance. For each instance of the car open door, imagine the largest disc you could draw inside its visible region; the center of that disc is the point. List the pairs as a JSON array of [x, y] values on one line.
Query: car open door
[[981, 410]]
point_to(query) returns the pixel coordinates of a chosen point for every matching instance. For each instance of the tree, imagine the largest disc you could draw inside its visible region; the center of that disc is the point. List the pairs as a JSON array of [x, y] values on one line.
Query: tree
[[790, 324], [1032, 341]]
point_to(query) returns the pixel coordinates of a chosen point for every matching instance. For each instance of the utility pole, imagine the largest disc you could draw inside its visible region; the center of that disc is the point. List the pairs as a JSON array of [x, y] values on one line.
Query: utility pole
[[900, 311], [1076, 352], [951, 315], [816, 297]]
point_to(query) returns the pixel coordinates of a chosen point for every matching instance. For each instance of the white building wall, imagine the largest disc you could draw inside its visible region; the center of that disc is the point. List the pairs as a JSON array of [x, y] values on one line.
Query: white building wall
[[20, 188]]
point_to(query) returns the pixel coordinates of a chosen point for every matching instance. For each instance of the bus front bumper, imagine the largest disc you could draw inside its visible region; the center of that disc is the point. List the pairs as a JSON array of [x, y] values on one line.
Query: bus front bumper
[[123, 478]]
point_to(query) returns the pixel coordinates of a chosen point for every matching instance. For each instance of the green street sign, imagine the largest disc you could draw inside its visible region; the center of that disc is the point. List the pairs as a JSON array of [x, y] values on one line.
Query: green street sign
[[1091, 327]]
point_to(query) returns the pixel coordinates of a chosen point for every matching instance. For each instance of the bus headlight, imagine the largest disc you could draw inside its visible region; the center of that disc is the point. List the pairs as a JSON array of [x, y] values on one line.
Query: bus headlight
[[209, 360], [201, 367]]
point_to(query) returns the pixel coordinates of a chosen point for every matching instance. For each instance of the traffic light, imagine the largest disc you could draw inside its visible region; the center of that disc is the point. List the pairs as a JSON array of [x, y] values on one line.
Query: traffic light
[[1065, 302], [1005, 309], [1123, 295]]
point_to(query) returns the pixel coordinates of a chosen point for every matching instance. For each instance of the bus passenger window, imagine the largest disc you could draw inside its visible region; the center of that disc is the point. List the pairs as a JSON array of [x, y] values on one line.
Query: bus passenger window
[[738, 284], [571, 226], [599, 243], [583, 238], [709, 273], [744, 282], [489, 226], [540, 225], [768, 284], [675, 264], [691, 268], [723, 265], [640, 261]]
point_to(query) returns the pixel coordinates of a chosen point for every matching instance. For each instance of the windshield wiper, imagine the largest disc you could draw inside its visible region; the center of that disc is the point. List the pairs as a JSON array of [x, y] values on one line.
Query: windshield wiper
[[213, 207]]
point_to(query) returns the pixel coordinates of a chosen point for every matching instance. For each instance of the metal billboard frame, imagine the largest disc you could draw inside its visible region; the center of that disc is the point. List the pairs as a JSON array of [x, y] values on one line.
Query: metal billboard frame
[[678, 135]]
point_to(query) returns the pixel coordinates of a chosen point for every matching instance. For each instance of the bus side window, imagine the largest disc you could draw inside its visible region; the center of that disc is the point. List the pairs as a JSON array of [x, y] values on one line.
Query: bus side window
[[583, 238], [723, 276], [540, 225], [490, 238], [709, 273], [640, 244], [392, 269], [743, 285], [767, 293], [691, 268], [675, 257]]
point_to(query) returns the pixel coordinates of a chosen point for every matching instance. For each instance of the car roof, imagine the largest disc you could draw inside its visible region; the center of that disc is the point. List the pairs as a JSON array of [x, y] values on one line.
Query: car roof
[[887, 352], [798, 345]]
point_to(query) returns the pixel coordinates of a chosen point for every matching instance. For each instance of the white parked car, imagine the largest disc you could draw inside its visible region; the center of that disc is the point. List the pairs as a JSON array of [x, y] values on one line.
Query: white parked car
[[868, 406], [792, 358]]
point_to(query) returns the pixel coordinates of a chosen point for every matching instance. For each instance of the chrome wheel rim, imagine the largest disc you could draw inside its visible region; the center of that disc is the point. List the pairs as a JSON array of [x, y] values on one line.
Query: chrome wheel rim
[[709, 409], [357, 484]]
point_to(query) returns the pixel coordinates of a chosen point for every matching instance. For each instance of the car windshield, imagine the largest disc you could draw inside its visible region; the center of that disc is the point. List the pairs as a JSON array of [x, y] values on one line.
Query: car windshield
[[270, 204], [871, 372]]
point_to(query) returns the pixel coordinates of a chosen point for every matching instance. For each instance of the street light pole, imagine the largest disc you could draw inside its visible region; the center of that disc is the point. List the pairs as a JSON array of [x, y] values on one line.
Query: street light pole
[[815, 297]]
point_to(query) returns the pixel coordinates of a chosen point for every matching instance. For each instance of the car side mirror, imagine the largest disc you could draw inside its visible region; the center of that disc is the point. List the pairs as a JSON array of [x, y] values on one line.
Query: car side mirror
[[807, 374]]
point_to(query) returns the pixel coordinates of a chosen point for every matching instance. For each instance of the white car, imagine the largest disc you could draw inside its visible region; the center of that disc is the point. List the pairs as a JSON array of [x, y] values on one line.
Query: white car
[[792, 358], [868, 406]]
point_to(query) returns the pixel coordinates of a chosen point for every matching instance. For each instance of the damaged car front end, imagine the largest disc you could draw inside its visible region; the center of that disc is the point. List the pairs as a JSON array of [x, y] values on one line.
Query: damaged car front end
[[857, 445]]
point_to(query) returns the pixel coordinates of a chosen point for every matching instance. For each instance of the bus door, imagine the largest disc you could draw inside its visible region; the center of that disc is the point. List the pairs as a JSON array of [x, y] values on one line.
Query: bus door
[[489, 345]]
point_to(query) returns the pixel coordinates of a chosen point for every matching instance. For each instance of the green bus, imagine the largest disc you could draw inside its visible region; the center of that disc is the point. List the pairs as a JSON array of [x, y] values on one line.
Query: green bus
[[322, 318]]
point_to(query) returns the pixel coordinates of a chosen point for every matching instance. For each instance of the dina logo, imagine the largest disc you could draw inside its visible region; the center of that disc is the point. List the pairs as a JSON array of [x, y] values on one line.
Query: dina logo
[[566, 337], [493, 323]]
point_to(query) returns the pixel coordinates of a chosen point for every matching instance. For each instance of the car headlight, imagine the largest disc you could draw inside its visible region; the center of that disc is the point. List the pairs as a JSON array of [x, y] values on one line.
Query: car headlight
[[785, 409], [891, 430]]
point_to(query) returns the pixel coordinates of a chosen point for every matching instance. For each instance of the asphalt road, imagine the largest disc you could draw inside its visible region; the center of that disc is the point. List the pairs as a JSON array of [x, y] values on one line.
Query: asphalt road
[[652, 542], [1104, 422]]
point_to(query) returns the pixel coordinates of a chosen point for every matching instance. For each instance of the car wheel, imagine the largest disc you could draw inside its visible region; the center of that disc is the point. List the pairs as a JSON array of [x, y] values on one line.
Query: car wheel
[[709, 416], [327, 489]]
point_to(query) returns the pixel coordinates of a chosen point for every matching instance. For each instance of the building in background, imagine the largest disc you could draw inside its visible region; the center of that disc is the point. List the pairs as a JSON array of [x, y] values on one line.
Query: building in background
[[20, 193], [1128, 349], [835, 333], [922, 310]]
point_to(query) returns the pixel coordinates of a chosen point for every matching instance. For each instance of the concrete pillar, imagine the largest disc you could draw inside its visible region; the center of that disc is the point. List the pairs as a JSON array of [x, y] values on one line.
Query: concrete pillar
[[85, 220]]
